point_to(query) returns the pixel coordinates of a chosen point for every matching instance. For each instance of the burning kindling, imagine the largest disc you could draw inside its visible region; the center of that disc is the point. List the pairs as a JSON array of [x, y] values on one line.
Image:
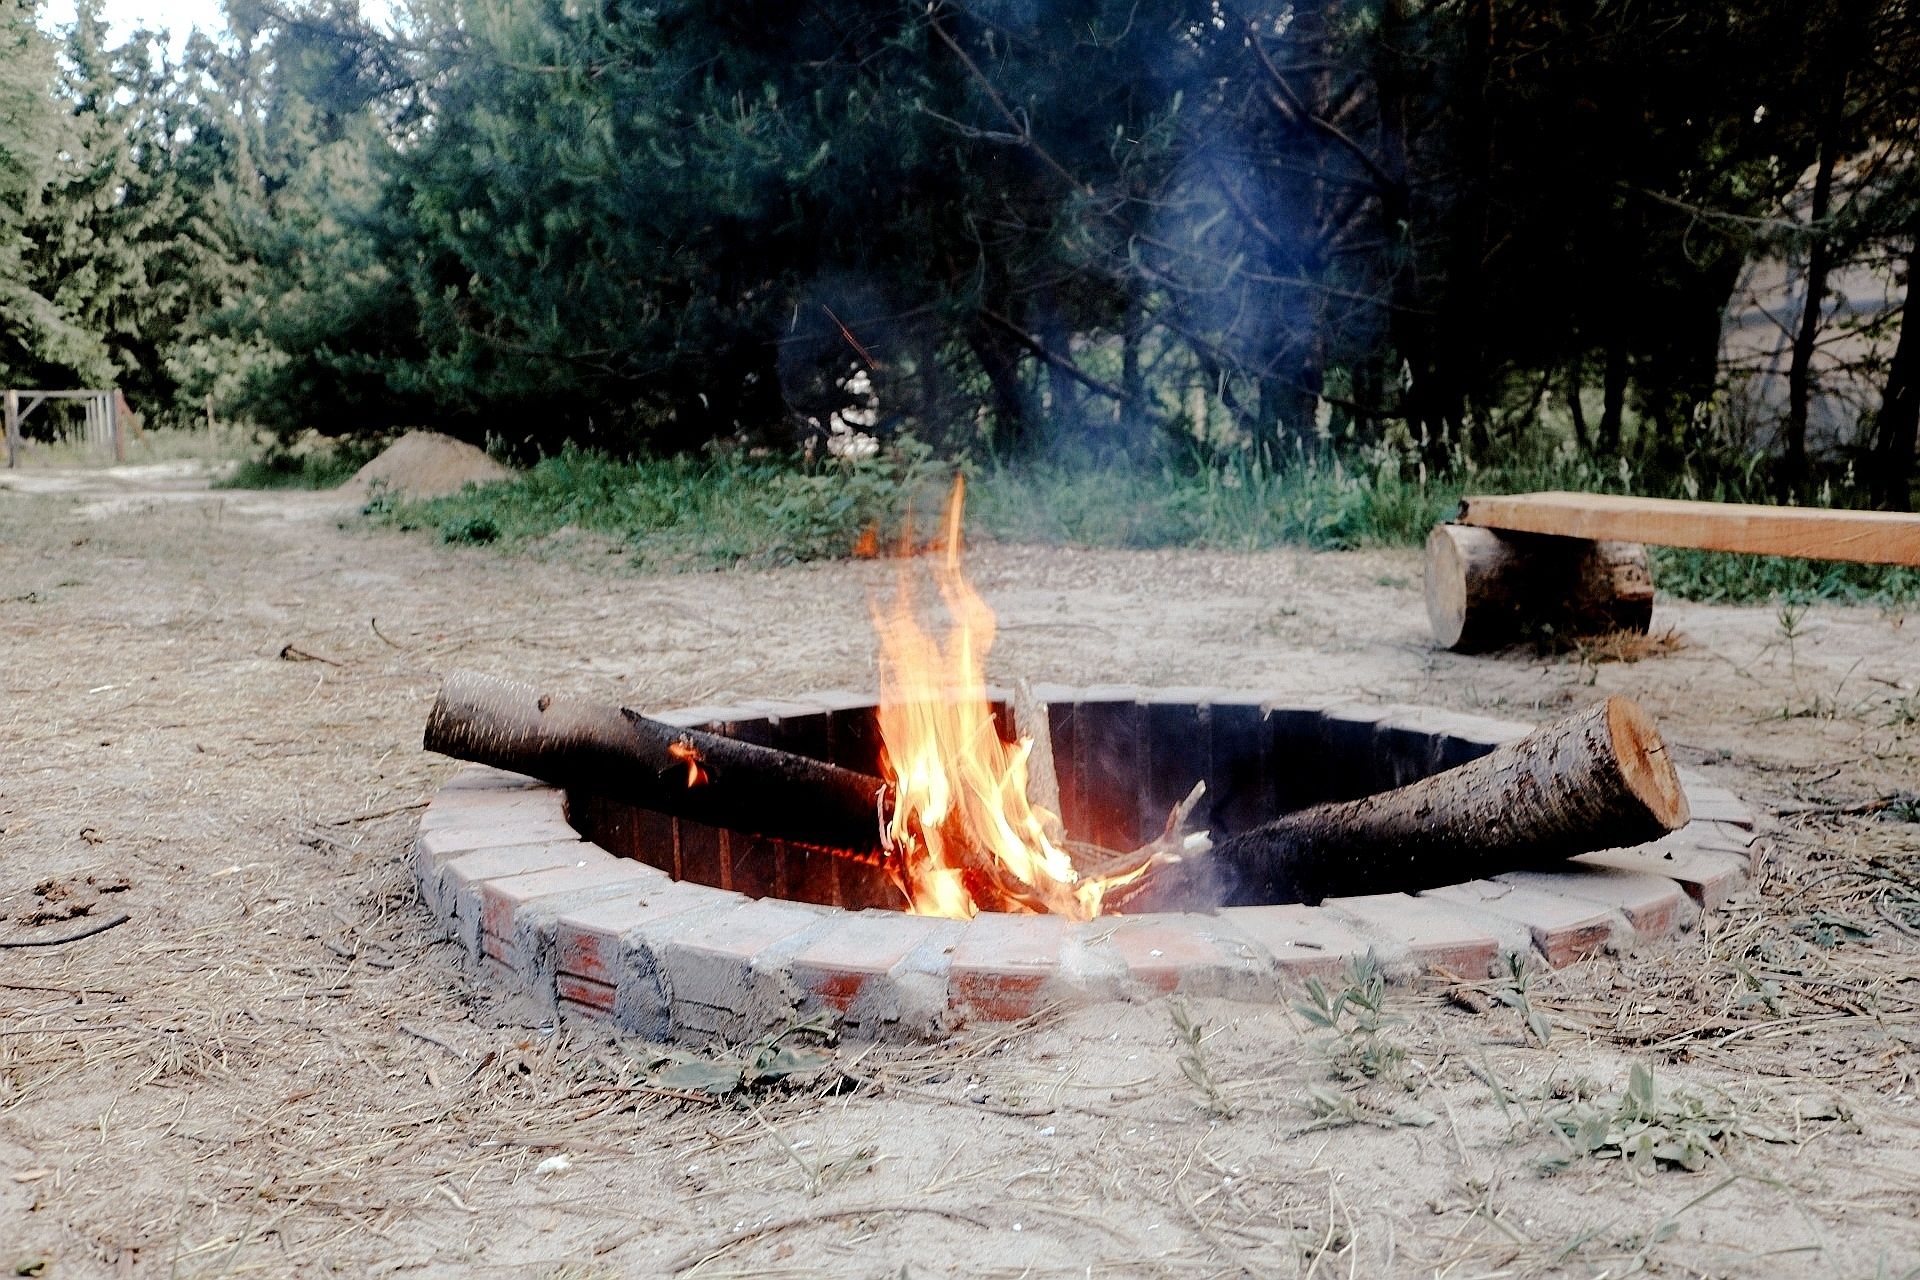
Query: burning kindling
[[964, 831]]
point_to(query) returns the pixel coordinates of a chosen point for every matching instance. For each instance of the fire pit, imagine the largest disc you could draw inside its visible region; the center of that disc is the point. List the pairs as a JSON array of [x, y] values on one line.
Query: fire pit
[[672, 928]]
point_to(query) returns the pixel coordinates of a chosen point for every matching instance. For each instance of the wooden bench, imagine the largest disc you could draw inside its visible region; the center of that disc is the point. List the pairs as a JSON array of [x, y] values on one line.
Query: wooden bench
[[1506, 567]]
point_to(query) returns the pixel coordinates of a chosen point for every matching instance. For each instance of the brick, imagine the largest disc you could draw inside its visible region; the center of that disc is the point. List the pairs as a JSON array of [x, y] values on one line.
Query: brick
[[703, 717], [1711, 832], [1241, 780], [478, 809], [1063, 721], [1655, 905], [519, 914], [853, 731], [699, 853], [1004, 966], [436, 846], [1176, 753], [1710, 877], [1561, 929], [588, 938], [1170, 952], [1109, 752], [1407, 744], [503, 896], [583, 996], [453, 889], [1408, 931], [1344, 754], [480, 777], [726, 970], [1303, 941], [841, 963], [1712, 803], [1460, 738]]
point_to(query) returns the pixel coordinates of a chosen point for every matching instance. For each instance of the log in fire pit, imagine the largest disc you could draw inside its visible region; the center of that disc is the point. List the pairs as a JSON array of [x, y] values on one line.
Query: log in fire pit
[[672, 926]]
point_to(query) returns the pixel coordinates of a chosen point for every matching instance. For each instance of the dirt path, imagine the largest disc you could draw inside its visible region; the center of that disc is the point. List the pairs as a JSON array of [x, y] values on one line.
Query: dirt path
[[270, 1069]]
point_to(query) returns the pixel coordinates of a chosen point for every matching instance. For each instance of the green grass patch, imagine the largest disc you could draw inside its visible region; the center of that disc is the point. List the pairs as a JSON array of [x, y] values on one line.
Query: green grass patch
[[693, 513], [686, 513]]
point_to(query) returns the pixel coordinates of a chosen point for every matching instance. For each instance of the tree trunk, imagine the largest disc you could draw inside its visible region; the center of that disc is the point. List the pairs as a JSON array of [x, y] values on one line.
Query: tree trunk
[[1132, 411], [1793, 461], [1012, 410], [1575, 409], [1487, 589], [576, 743], [1895, 426], [1601, 779], [1613, 395]]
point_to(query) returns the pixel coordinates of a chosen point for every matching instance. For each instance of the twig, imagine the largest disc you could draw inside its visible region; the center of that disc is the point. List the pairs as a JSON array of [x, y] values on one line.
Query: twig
[[430, 1038], [375, 624], [294, 653], [1864, 806], [708, 1252], [378, 813], [102, 927]]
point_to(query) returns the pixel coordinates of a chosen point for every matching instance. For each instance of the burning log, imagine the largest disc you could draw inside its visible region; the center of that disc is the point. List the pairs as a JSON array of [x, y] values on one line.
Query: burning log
[[1601, 779], [574, 742]]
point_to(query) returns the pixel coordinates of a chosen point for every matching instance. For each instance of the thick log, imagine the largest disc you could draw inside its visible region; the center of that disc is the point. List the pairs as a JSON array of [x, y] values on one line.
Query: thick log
[[1487, 588], [1601, 779], [722, 782]]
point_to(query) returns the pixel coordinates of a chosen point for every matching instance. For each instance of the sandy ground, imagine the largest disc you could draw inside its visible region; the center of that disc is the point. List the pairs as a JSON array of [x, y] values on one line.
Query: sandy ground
[[210, 705]]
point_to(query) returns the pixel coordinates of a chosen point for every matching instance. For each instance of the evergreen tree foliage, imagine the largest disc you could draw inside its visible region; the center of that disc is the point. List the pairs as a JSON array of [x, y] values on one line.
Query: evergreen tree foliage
[[1092, 226]]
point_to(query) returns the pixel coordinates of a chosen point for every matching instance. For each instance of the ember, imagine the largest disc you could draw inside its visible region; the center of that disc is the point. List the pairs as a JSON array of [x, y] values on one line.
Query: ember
[[689, 754], [964, 834]]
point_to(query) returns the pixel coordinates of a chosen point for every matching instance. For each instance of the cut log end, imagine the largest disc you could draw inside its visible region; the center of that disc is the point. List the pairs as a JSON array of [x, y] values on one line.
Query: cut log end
[[1486, 589], [1646, 766]]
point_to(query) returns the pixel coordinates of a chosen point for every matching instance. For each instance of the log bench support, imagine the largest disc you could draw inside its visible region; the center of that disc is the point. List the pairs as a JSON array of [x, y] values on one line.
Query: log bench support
[[1516, 564], [1489, 588]]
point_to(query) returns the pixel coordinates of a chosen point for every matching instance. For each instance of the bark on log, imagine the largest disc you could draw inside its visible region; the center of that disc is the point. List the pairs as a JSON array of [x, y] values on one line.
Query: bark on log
[[1601, 779], [1487, 589], [722, 782]]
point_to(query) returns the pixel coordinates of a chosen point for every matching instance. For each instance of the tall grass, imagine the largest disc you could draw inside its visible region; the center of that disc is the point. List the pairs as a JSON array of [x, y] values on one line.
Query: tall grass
[[733, 510]]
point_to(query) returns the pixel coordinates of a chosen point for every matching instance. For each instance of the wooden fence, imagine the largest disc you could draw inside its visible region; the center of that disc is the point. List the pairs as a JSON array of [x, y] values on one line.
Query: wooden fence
[[105, 421]]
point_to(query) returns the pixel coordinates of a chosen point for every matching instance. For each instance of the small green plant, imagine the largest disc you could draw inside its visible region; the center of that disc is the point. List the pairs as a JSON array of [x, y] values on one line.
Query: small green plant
[[1649, 1127], [772, 1058], [471, 531], [1190, 1044], [1513, 992], [1357, 1046]]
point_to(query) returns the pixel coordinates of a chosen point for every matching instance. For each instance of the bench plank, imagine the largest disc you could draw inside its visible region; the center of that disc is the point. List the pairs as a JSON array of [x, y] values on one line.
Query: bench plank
[[1868, 537]]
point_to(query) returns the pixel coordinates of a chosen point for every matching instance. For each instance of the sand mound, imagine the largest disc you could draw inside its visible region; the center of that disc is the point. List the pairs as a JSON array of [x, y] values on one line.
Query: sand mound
[[426, 464]]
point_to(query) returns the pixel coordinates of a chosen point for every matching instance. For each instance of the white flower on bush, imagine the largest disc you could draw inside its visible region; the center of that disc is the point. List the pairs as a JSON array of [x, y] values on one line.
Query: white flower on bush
[[846, 428]]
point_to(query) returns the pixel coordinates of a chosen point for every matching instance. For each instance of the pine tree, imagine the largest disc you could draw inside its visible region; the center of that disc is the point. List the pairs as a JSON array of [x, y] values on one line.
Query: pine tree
[[39, 341]]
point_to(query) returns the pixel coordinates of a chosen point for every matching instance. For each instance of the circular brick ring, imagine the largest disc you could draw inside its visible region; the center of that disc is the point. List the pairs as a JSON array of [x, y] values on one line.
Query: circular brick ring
[[502, 861]]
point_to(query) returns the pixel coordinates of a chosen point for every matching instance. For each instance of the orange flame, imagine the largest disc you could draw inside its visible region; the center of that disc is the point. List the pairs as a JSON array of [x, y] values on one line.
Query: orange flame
[[868, 545], [688, 753], [965, 836]]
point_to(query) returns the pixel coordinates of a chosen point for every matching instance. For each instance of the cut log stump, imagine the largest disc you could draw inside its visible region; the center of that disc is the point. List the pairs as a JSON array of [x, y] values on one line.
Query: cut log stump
[[1487, 588]]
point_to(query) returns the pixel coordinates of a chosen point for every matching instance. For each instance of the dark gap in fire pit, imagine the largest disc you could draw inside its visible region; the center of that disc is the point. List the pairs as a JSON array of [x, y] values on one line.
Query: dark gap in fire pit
[[1123, 763]]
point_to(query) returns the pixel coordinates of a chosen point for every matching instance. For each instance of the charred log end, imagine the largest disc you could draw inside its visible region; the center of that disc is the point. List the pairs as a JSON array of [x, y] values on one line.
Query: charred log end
[[1486, 589], [1646, 766]]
